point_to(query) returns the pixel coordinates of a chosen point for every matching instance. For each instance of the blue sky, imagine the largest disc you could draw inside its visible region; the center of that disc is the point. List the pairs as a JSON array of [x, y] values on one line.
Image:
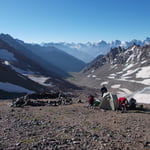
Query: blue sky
[[75, 20]]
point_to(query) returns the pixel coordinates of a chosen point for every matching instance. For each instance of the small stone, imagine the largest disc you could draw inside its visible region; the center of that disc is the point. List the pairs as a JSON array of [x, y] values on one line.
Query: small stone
[[18, 144]]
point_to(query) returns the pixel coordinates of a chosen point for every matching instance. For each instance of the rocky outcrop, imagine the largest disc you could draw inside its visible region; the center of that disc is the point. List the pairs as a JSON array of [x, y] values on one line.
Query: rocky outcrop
[[133, 54]]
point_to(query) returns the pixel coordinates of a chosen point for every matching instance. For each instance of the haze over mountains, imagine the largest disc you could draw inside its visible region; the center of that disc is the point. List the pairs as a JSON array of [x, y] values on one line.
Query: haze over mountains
[[28, 68], [57, 57], [88, 51]]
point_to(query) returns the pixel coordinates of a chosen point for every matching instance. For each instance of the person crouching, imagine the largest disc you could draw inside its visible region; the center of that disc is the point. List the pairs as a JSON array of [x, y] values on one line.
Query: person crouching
[[123, 103], [90, 101]]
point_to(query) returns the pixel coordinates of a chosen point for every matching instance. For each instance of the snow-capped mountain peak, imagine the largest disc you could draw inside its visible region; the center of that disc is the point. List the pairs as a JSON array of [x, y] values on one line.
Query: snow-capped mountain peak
[[89, 51]]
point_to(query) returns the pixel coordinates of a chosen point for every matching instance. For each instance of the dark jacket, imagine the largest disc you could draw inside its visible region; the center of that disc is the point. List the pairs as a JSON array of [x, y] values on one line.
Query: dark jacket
[[103, 90]]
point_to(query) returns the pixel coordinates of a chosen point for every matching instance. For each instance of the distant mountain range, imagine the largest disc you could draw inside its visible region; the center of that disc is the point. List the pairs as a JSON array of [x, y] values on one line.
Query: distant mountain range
[[89, 51]]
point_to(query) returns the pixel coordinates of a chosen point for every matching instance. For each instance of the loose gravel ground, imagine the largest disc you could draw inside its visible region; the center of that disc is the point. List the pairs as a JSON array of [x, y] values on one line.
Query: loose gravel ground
[[73, 127]]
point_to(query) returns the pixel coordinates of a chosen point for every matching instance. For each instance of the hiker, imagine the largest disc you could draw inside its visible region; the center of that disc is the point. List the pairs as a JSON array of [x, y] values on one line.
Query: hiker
[[103, 90], [91, 100], [123, 103], [132, 103]]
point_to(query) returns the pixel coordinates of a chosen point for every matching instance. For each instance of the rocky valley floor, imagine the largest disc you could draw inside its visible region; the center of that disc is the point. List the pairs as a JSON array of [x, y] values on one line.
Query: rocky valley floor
[[72, 127]]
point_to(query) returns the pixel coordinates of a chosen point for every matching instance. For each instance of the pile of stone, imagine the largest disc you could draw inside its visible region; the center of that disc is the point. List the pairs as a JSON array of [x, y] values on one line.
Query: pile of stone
[[36, 99]]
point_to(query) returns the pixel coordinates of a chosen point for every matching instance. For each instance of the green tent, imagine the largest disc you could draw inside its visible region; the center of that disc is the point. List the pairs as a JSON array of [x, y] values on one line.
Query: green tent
[[109, 102]]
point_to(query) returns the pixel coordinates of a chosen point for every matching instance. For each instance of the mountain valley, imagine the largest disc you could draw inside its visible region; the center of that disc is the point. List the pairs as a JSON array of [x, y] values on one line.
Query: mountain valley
[[29, 68]]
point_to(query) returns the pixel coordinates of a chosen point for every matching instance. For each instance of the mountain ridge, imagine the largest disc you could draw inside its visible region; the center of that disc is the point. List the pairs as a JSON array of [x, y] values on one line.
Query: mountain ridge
[[94, 49], [57, 57], [29, 54]]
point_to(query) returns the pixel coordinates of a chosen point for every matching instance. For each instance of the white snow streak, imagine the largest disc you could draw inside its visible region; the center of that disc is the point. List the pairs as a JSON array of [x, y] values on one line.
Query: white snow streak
[[103, 83], [124, 91], [129, 72], [6, 63], [128, 67], [115, 86], [94, 76], [39, 79]]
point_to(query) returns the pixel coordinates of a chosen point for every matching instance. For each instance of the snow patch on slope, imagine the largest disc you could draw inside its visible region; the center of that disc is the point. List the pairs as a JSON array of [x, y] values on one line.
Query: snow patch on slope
[[144, 72], [142, 96], [39, 79], [115, 86], [6, 63]]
